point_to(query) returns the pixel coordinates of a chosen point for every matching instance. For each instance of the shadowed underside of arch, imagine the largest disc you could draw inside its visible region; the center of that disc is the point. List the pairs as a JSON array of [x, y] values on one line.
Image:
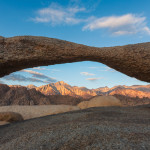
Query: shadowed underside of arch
[[22, 52]]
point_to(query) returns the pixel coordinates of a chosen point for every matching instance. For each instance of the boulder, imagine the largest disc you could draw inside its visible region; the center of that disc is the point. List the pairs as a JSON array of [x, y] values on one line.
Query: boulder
[[100, 101]]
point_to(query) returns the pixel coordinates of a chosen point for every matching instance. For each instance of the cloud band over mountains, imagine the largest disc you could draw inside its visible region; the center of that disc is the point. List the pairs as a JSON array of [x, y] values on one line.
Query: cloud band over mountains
[[40, 76], [36, 77], [21, 78]]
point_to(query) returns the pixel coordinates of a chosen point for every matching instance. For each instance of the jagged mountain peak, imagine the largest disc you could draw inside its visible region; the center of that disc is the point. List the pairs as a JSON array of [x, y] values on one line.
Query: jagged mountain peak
[[61, 83], [31, 86], [62, 88]]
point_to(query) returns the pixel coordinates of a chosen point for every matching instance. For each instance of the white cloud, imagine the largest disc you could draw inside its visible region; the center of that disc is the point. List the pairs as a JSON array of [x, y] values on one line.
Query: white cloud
[[2, 82], [103, 69], [32, 72], [56, 14], [40, 75], [93, 67], [39, 68], [117, 25], [21, 78], [120, 25], [93, 79], [87, 74], [108, 69], [147, 30], [54, 70]]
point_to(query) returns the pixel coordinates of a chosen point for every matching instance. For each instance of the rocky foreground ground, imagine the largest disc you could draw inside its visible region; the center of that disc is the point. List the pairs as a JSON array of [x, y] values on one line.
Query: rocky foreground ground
[[123, 128]]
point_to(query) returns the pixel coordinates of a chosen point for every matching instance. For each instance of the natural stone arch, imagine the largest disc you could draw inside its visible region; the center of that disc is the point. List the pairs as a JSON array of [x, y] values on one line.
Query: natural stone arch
[[22, 52]]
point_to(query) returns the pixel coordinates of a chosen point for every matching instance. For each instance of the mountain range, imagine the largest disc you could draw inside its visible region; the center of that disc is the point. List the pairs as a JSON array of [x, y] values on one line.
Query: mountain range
[[62, 88], [63, 93], [20, 95]]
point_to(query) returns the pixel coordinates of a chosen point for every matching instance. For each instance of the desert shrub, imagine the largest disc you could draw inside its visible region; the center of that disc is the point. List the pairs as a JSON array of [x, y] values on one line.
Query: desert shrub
[[10, 117]]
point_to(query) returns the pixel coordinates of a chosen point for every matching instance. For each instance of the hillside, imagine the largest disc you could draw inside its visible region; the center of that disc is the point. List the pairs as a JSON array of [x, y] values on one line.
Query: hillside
[[19, 95], [132, 101]]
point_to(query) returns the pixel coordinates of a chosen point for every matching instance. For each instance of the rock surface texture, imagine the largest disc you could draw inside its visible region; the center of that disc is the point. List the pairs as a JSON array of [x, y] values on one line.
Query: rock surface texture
[[22, 52], [116, 128]]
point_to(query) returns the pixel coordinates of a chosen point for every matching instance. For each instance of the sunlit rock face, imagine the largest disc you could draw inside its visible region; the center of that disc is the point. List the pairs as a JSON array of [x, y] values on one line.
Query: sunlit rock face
[[22, 52], [62, 88], [130, 93]]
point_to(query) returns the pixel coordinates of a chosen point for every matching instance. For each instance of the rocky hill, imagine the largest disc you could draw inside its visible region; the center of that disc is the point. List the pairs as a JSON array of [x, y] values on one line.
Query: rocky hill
[[132, 101], [19, 95], [64, 99]]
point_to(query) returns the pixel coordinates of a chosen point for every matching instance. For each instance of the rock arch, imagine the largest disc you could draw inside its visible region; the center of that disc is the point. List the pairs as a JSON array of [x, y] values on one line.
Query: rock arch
[[22, 52]]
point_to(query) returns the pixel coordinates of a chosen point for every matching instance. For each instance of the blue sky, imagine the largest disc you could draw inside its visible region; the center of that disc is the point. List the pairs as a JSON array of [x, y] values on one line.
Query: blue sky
[[100, 23]]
